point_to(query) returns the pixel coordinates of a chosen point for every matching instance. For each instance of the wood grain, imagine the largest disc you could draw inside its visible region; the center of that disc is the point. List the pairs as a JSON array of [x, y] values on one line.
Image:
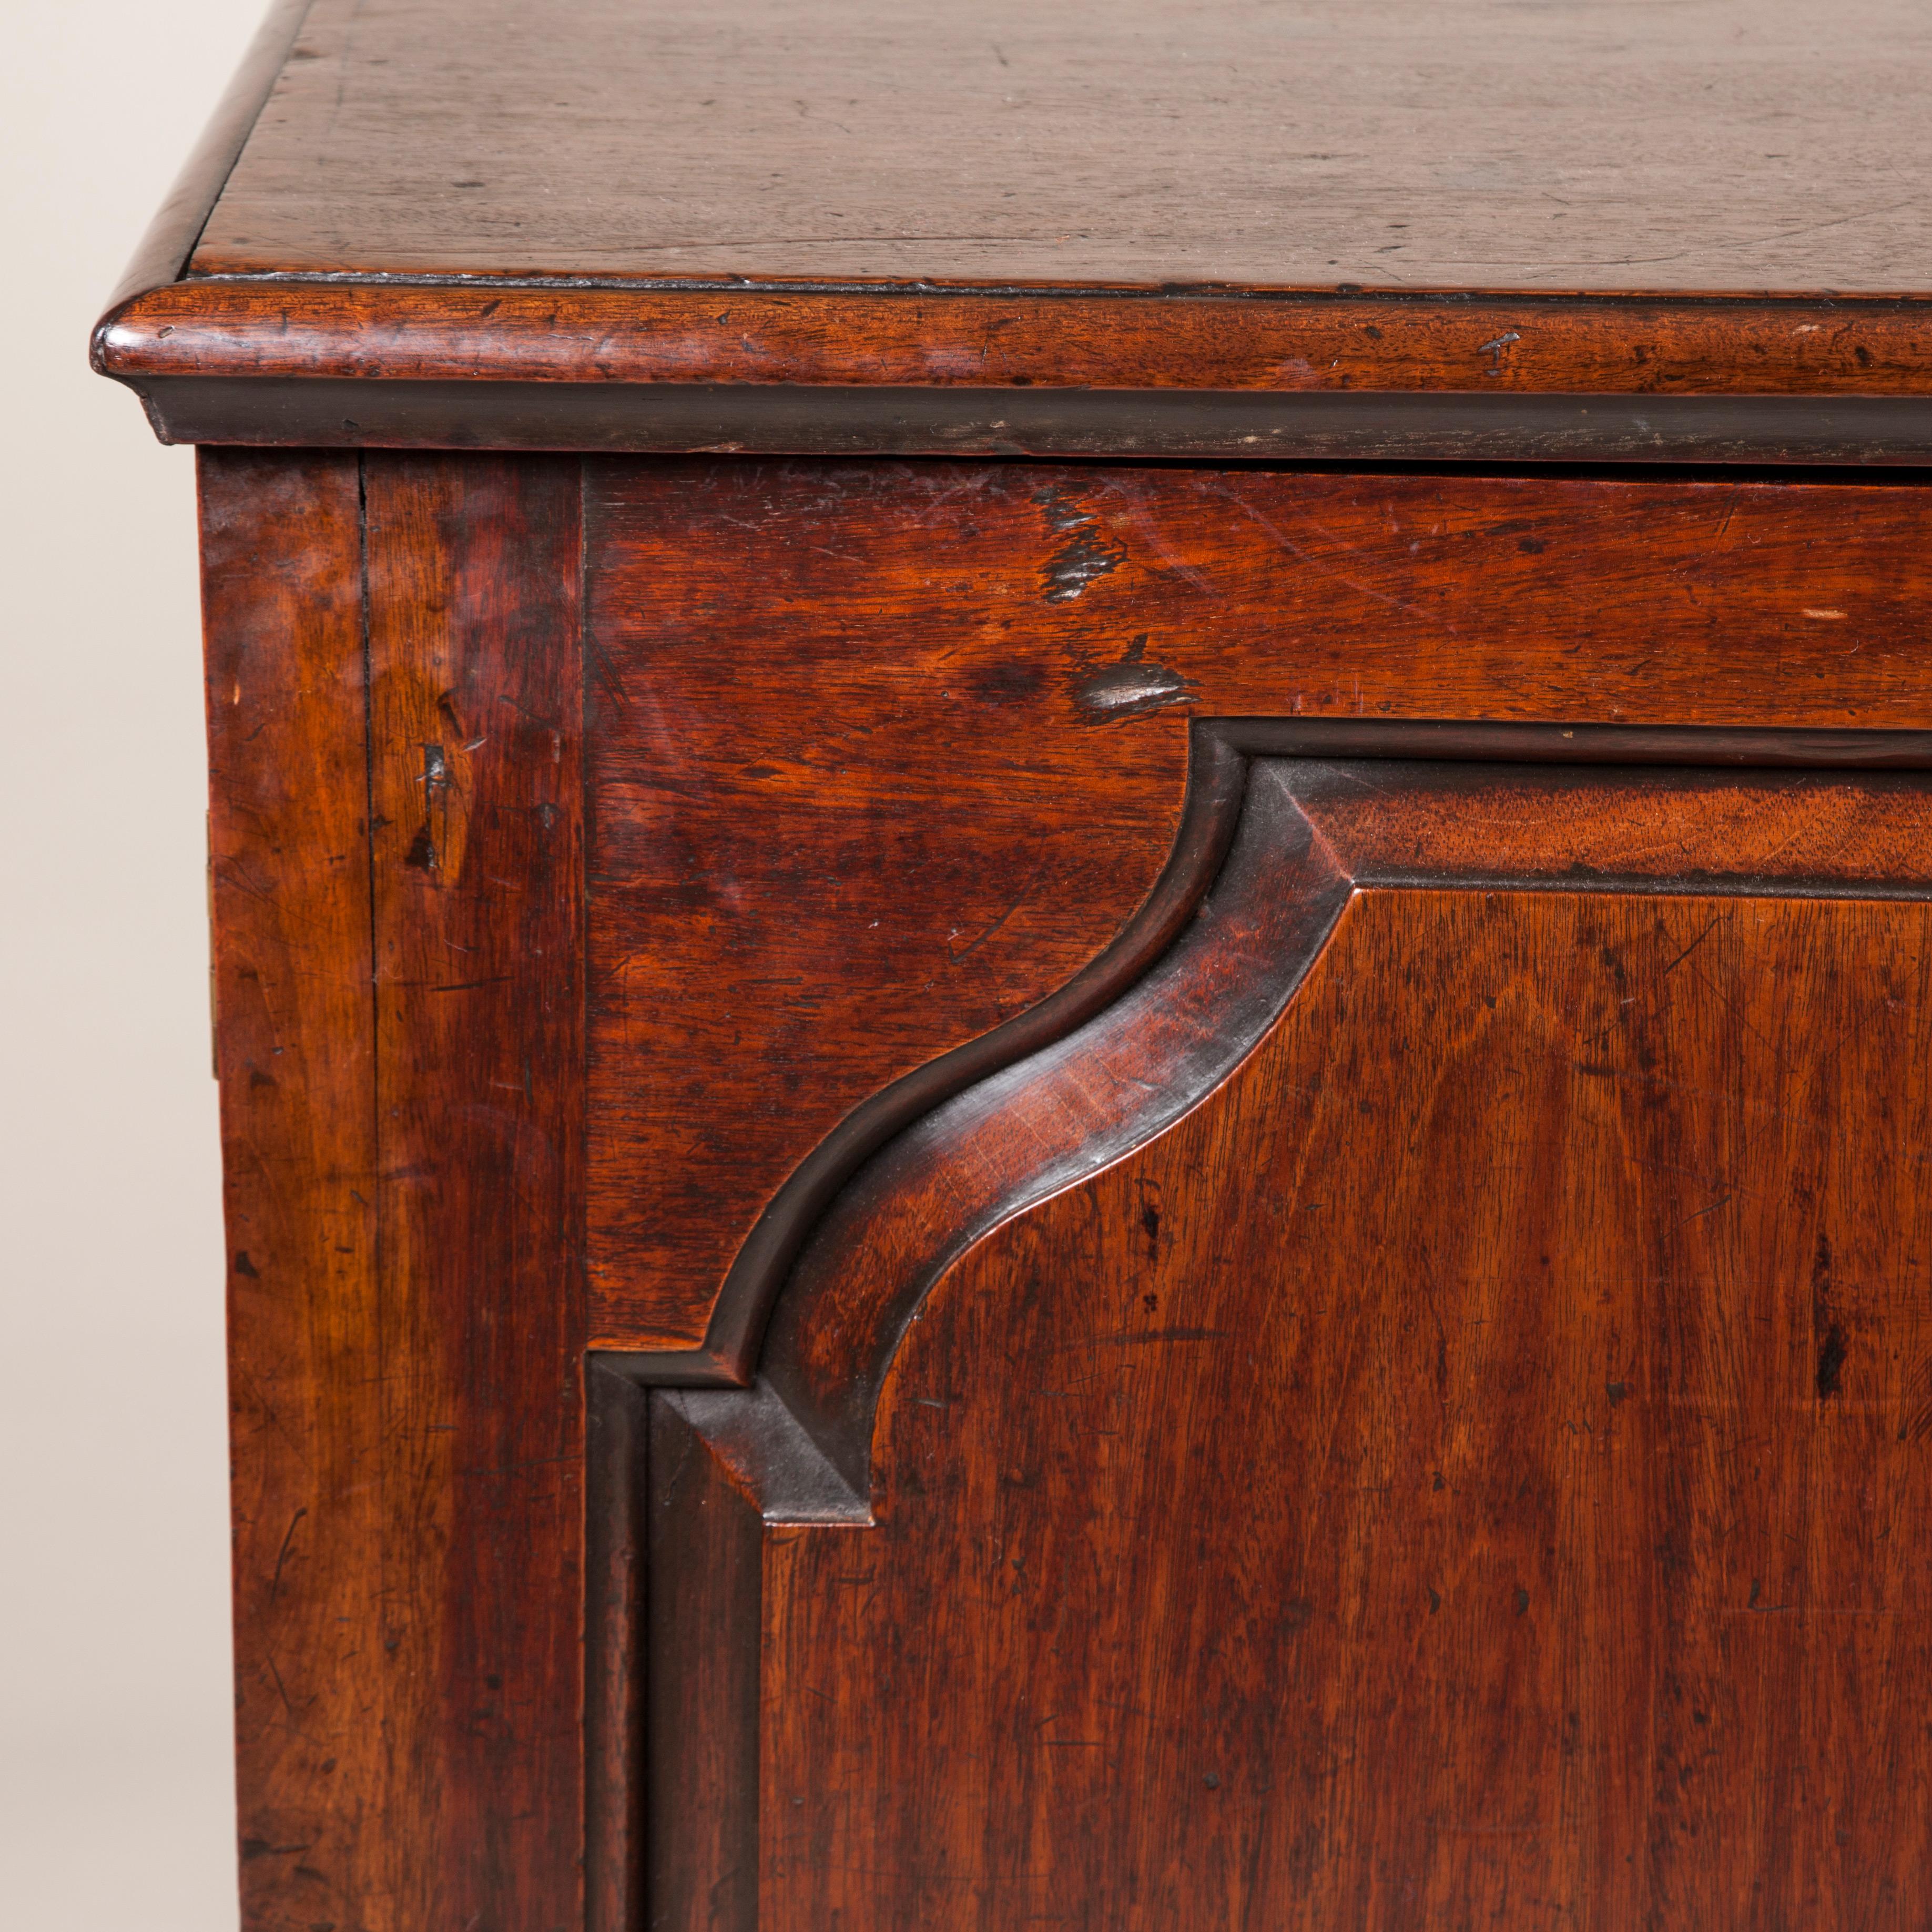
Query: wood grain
[[1735, 145], [1467, 1472], [1036, 1127], [295, 1051], [702, 1645], [1217, 789], [933, 338], [1581, 1225], [407, 1306], [1313, 835], [477, 866], [617, 1661], [881, 754], [906, 230], [864, 761]]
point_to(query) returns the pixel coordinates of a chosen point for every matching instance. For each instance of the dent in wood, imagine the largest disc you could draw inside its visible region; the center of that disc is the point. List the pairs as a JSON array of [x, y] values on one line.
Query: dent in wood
[[1131, 687]]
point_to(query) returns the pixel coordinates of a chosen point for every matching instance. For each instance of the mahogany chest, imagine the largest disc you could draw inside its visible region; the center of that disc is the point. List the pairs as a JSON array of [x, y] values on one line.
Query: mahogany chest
[[1072, 882]]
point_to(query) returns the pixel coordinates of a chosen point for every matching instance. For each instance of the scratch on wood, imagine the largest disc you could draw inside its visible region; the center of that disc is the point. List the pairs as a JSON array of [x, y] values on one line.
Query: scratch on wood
[[1086, 555]]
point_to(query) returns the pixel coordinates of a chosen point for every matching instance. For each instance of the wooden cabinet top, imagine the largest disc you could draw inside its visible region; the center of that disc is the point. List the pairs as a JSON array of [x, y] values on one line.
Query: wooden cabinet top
[[1381, 197]]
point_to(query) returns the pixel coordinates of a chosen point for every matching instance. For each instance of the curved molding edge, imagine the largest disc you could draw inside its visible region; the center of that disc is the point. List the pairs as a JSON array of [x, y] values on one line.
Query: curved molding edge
[[915, 1177], [1034, 1130], [171, 237], [1216, 777], [796, 1444], [795, 1447]]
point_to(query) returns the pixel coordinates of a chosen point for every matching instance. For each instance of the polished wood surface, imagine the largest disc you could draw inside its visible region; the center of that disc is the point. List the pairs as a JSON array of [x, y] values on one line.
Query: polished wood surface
[[1449, 1462], [475, 865], [1071, 908], [401, 999], [824, 852], [1469, 1472], [295, 1055], [658, 900], [1724, 145], [863, 229], [932, 339], [1312, 836]]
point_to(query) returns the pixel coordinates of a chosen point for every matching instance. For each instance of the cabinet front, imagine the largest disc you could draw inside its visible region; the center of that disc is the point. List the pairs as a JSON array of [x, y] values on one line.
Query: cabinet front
[[968, 1194], [1305, 1095]]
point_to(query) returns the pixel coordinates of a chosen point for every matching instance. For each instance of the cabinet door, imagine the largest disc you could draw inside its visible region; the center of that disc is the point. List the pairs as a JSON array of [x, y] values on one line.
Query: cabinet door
[[1416, 1414]]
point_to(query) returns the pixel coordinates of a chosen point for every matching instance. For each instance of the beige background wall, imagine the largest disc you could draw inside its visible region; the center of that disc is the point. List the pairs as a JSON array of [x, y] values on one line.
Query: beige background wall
[[114, 1671]]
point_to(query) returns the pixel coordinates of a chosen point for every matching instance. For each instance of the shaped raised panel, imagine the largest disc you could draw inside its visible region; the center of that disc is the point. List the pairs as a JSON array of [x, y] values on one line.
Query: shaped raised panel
[[1471, 1470], [1414, 1413], [865, 784]]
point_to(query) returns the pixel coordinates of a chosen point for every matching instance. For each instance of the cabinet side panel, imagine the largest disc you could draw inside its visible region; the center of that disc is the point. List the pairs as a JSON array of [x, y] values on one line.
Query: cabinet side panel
[[474, 730], [290, 890]]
